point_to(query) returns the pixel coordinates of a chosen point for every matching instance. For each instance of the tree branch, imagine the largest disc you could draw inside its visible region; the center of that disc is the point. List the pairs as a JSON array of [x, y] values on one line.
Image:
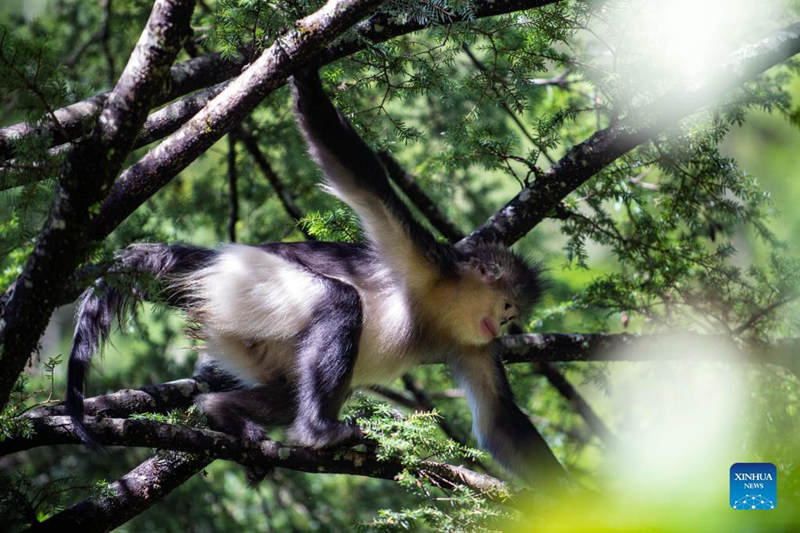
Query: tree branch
[[584, 160], [233, 189], [419, 198], [763, 313], [89, 171], [384, 26], [78, 119], [46, 431], [251, 144], [563, 347], [395, 396], [559, 382], [226, 110], [159, 398], [157, 126], [203, 71], [172, 116], [133, 493], [527, 348]]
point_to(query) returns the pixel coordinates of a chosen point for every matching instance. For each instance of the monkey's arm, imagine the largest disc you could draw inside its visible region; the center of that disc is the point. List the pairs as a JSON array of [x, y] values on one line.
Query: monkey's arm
[[355, 175], [499, 425]]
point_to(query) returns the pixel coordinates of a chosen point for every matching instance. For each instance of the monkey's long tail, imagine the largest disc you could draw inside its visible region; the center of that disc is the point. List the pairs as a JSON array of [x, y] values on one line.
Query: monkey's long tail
[[102, 302]]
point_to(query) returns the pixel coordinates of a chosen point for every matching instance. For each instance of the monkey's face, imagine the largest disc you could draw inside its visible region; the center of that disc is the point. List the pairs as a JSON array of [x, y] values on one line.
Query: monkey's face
[[477, 307], [486, 312], [518, 282], [500, 317], [467, 311]]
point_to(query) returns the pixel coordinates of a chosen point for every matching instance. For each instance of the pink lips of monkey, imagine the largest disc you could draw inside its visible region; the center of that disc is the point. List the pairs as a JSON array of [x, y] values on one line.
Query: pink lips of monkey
[[488, 327]]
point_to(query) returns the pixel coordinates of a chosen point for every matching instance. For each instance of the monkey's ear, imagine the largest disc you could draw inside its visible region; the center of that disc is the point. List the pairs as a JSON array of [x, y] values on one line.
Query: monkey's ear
[[488, 272]]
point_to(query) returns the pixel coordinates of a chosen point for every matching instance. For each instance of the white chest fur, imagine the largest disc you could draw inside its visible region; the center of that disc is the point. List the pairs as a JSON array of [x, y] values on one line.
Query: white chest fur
[[383, 353]]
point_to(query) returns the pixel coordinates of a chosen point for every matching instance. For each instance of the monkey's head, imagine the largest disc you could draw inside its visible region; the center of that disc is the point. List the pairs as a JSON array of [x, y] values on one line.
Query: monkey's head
[[498, 288]]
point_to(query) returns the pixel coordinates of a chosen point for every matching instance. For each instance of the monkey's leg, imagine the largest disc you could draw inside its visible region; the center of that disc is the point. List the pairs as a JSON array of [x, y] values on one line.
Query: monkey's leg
[[242, 412], [326, 354]]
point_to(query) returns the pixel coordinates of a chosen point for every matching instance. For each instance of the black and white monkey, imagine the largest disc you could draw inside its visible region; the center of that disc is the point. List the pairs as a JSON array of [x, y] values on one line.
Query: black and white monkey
[[300, 324]]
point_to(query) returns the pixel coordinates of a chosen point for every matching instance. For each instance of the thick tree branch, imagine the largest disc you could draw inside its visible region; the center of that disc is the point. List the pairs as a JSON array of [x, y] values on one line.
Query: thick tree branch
[[563, 347], [210, 69], [384, 26], [159, 398], [130, 495], [290, 52], [89, 171], [527, 348], [266, 454], [172, 116], [78, 119], [583, 161]]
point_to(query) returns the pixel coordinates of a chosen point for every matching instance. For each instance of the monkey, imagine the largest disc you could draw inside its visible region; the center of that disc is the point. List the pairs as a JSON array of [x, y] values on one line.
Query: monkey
[[301, 324]]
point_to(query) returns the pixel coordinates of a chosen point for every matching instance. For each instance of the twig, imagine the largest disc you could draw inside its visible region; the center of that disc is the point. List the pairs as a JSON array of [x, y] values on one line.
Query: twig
[[491, 77], [102, 36], [584, 160], [577, 401], [159, 398], [251, 144], [233, 191], [559, 81], [30, 85], [763, 313], [424, 403], [417, 196]]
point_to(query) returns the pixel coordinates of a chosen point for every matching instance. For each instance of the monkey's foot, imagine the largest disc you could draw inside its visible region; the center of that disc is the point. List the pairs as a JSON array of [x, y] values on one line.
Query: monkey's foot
[[325, 433]]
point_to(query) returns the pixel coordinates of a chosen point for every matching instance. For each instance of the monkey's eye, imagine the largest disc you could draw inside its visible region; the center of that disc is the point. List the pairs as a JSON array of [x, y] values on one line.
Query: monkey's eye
[[507, 306]]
